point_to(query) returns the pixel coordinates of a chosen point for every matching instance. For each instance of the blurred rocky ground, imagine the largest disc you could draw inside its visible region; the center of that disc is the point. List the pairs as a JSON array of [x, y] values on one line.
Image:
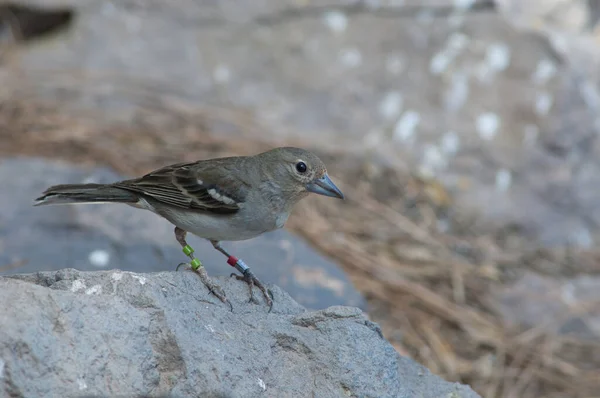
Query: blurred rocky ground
[[490, 106], [498, 100]]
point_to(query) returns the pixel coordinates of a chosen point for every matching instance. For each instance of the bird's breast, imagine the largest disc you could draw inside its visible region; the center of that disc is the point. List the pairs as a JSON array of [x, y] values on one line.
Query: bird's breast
[[228, 227]]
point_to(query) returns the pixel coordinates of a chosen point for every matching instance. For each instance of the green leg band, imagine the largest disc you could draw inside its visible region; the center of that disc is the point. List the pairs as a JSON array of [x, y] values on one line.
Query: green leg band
[[195, 263], [187, 250]]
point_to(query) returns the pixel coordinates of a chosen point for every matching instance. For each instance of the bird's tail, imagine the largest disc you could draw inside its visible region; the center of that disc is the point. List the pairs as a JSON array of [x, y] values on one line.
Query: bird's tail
[[85, 193]]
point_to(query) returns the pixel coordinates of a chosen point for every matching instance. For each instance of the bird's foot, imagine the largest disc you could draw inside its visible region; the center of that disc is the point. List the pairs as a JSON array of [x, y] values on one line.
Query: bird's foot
[[252, 281], [210, 285]]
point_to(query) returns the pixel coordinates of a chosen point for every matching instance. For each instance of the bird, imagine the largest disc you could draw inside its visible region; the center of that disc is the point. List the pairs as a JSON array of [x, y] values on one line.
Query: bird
[[221, 199]]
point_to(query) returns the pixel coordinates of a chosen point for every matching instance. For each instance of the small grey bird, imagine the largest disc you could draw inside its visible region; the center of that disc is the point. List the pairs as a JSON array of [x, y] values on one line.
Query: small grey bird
[[224, 199]]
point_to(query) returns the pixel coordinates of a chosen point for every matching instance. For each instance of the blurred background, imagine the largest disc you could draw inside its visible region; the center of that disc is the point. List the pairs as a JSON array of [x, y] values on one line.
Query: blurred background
[[464, 134]]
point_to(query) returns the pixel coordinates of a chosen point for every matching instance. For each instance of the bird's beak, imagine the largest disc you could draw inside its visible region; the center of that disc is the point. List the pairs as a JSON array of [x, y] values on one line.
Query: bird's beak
[[324, 186]]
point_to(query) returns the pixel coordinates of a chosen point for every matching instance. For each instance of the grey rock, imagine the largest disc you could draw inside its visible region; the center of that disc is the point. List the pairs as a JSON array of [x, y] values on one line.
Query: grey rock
[[115, 333], [89, 237]]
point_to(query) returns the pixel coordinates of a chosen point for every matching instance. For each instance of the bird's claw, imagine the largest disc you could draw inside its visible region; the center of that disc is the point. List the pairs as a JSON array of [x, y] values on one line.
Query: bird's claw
[[252, 281], [180, 264], [212, 287], [219, 293]]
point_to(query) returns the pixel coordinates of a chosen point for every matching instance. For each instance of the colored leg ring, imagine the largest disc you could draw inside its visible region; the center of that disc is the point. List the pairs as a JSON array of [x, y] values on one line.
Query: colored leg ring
[[187, 250], [238, 264], [195, 263]]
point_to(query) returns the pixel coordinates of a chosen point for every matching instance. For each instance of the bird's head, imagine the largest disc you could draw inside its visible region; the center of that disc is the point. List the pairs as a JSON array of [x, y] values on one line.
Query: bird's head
[[300, 172]]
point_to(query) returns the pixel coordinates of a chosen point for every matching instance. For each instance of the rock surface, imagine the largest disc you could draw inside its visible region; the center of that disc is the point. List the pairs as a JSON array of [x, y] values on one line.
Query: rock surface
[[114, 333], [96, 237]]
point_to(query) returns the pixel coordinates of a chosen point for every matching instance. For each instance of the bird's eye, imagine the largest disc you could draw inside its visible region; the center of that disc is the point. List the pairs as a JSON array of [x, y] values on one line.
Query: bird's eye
[[301, 167]]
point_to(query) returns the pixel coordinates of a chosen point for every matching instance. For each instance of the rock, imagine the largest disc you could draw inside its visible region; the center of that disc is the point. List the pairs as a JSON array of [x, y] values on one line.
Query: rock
[[92, 237], [115, 333]]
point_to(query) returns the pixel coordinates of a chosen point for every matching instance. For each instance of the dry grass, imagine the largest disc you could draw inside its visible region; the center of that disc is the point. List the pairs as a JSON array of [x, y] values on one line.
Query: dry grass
[[429, 290]]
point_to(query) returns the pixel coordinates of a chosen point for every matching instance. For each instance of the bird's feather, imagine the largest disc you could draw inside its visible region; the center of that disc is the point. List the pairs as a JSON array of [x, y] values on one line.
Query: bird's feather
[[205, 186]]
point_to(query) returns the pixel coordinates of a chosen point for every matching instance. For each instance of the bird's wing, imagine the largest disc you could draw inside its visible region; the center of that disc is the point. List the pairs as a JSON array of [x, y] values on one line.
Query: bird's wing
[[205, 185]]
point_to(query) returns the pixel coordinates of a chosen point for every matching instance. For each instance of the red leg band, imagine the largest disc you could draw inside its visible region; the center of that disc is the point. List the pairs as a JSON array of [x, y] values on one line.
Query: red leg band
[[232, 261]]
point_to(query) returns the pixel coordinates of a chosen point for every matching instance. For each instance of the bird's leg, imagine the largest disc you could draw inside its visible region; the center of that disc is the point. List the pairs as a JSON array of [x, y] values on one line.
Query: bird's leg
[[197, 266], [246, 276]]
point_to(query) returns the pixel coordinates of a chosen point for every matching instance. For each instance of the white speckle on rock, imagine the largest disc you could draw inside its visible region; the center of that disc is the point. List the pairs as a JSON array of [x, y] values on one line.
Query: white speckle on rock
[[350, 57], [336, 21], [77, 285], [560, 43], [590, 94], [116, 276], [82, 384], [96, 289], [498, 56], [458, 93], [262, 384], [433, 160], [450, 143], [487, 125], [463, 4], [394, 64], [544, 71], [139, 278], [391, 105], [221, 74], [439, 63], [582, 237], [503, 180], [568, 294], [210, 328], [99, 258], [406, 125], [531, 132], [458, 41], [543, 103]]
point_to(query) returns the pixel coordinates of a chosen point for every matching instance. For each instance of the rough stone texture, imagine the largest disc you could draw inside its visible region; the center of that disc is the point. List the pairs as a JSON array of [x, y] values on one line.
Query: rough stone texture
[[497, 99], [114, 333], [93, 237]]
